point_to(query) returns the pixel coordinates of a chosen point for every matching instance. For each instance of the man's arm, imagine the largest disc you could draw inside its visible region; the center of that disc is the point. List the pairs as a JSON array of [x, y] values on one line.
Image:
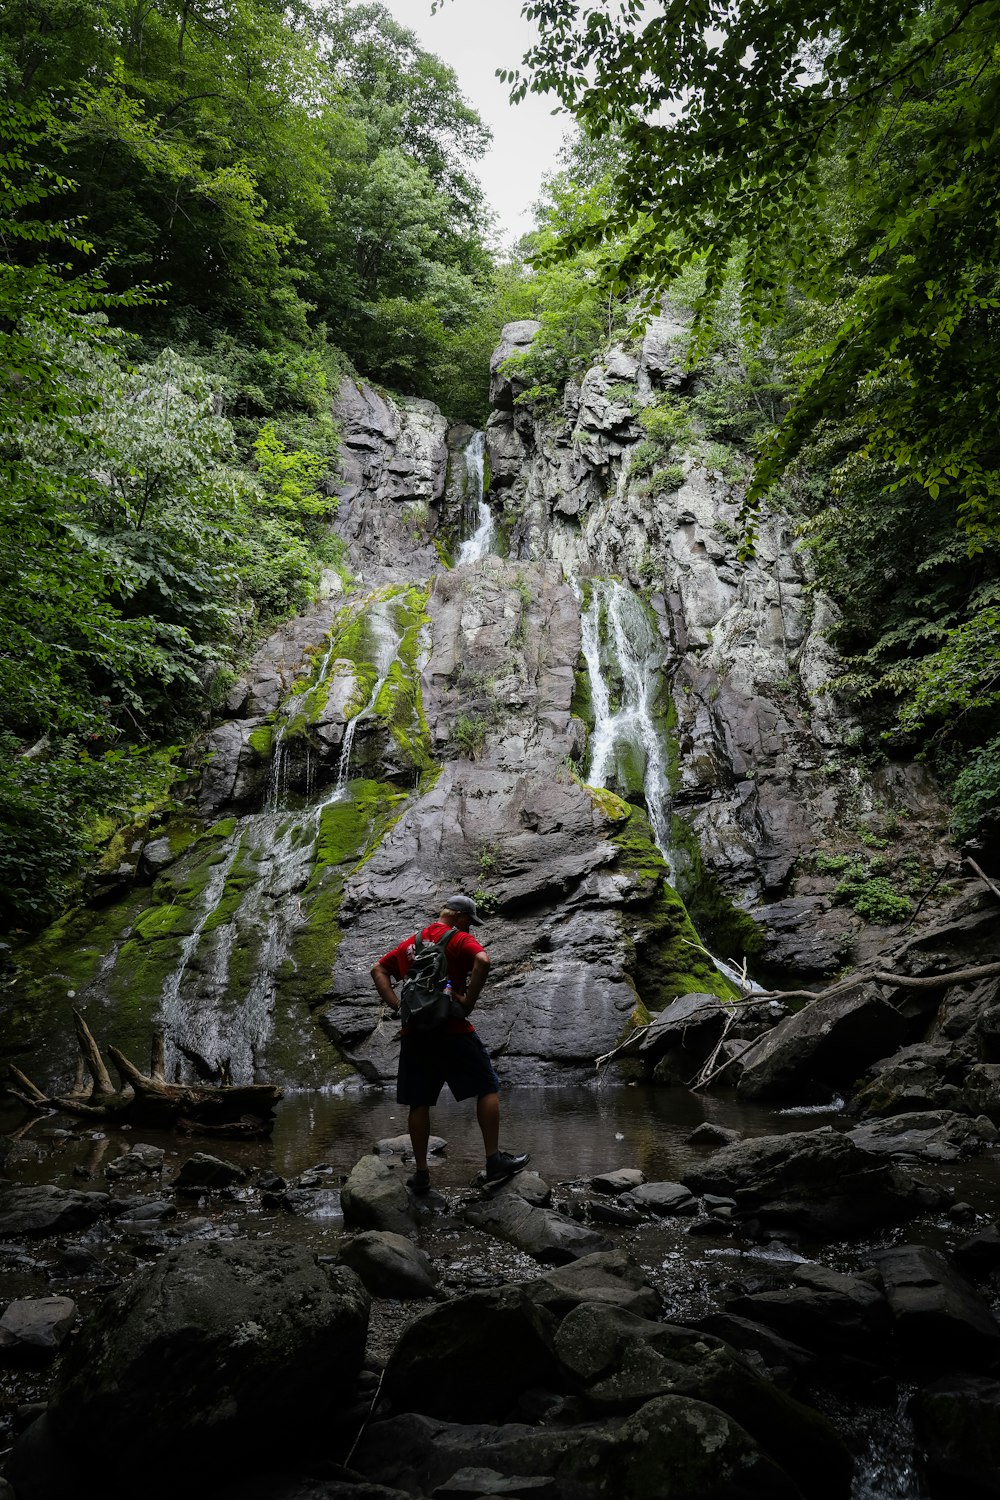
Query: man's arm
[[383, 984], [480, 971]]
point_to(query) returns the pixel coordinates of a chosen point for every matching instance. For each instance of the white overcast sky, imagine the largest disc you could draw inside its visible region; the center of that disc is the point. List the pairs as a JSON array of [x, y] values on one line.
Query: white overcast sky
[[476, 37]]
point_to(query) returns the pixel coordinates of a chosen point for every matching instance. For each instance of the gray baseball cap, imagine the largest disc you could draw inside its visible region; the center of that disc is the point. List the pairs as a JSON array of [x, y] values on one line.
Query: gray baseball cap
[[463, 904]]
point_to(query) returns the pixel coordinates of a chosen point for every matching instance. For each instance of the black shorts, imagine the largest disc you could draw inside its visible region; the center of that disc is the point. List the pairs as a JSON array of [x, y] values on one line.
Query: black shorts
[[429, 1060]]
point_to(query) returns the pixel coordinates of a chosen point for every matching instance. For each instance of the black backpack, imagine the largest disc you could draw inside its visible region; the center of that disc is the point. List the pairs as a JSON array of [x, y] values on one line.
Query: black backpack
[[425, 994]]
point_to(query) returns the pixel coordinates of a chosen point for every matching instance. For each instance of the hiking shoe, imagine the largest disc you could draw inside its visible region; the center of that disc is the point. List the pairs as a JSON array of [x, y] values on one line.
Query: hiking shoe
[[505, 1164], [420, 1182]]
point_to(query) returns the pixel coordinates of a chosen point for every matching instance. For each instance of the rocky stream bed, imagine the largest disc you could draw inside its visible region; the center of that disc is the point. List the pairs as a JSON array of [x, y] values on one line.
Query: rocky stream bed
[[736, 1301]]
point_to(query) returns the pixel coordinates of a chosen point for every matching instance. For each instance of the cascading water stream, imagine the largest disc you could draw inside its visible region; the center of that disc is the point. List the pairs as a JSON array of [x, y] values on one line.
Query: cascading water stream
[[252, 900], [631, 728], [387, 642], [477, 545]]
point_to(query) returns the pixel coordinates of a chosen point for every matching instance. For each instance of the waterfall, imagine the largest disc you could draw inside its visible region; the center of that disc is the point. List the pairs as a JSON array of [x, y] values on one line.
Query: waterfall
[[213, 1001], [628, 733], [387, 642], [477, 545]]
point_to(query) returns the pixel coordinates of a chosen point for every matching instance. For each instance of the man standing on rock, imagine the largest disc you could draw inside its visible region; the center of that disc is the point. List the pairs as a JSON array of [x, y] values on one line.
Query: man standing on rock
[[449, 1054]]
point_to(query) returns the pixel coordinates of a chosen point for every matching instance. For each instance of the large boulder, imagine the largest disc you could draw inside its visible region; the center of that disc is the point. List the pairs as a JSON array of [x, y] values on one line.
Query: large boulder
[[938, 1319], [958, 1426], [469, 1359], [815, 1181], [824, 1046], [689, 1026], [221, 1353], [48, 1210], [673, 1448], [617, 1362], [824, 1310]]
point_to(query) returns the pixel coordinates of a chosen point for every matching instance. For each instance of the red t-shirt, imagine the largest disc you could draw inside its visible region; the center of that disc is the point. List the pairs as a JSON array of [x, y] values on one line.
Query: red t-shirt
[[460, 953]]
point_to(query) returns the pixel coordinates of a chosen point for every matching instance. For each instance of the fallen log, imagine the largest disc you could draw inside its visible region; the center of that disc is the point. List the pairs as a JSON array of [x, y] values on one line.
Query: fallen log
[[235, 1110]]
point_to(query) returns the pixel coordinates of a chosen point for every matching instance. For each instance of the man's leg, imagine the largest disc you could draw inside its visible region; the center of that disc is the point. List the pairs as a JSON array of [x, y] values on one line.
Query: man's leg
[[488, 1115], [419, 1124]]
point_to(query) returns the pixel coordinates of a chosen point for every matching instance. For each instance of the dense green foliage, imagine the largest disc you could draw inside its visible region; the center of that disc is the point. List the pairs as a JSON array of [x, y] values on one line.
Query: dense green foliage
[[209, 213], [823, 182]]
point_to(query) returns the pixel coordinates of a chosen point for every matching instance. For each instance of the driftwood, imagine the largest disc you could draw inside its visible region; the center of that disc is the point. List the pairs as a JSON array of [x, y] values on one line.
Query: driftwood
[[242, 1110]]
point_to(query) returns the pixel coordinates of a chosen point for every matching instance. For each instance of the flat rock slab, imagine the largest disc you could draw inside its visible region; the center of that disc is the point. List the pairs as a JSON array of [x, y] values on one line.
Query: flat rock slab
[[390, 1265], [540, 1232], [608, 1277], [932, 1135], [615, 1183], [662, 1198], [35, 1327], [48, 1210], [937, 1316]]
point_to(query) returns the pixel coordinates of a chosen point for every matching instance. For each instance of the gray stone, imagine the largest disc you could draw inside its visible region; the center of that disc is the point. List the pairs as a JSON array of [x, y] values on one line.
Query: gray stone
[[620, 1181], [980, 1253], [156, 855], [390, 1266], [937, 1317], [755, 1338], [140, 1211], [662, 1198], [932, 1135], [847, 1316], [608, 1277], [470, 1359], [958, 1424], [514, 339], [140, 1160], [692, 1022], [35, 1327], [671, 1449], [48, 1210], [709, 1134], [822, 1047], [474, 1482], [204, 1173], [816, 1181], [375, 1198], [225, 1352], [548, 1236], [400, 1145], [618, 1362]]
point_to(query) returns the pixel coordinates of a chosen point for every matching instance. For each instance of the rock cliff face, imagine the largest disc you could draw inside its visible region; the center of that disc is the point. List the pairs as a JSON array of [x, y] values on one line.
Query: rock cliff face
[[435, 727], [763, 771]]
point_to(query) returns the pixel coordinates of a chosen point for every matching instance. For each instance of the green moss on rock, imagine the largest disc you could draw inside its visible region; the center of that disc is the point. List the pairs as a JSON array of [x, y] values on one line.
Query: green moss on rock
[[668, 958], [732, 933]]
